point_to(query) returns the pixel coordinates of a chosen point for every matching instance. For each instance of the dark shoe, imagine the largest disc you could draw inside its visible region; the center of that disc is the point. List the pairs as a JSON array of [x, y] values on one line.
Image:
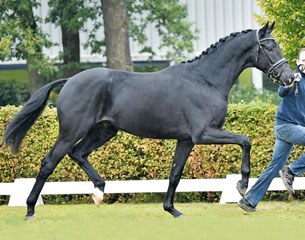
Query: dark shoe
[[287, 179], [245, 205]]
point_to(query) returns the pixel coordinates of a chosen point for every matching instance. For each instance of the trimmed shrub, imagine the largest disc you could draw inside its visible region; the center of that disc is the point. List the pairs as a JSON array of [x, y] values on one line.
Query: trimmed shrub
[[13, 92], [131, 157]]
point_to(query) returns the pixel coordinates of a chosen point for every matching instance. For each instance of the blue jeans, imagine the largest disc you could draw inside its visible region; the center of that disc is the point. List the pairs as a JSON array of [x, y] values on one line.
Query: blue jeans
[[286, 135]]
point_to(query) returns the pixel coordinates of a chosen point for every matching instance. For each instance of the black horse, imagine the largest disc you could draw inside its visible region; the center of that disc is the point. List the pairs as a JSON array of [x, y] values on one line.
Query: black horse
[[187, 102]]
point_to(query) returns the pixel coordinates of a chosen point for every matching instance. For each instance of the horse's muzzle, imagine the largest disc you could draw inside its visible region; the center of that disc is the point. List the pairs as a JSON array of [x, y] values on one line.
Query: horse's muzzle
[[293, 79]]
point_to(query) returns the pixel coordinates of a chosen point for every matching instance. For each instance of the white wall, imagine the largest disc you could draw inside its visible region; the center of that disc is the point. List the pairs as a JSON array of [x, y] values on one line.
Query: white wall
[[218, 18]]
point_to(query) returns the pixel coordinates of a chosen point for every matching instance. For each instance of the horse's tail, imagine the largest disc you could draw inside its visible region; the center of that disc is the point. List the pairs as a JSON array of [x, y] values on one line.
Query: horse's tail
[[23, 120]]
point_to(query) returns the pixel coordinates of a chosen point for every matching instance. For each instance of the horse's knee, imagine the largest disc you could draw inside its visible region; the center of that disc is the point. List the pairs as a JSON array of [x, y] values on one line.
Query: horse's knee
[[246, 143]]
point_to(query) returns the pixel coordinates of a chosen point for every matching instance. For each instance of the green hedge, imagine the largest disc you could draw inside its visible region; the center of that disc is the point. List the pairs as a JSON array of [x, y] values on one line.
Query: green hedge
[[13, 92], [130, 157]]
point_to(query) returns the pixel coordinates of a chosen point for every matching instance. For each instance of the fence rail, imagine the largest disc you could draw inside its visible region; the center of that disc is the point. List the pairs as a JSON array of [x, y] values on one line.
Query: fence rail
[[20, 188]]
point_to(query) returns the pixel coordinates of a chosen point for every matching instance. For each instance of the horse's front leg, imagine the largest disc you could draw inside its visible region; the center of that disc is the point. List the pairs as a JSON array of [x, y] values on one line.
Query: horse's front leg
[[182, 152], [218, 136], [242, 184]]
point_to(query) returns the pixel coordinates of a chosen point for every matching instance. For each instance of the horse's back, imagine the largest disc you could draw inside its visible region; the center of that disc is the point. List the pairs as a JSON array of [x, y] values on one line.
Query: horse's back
[[87, 89]]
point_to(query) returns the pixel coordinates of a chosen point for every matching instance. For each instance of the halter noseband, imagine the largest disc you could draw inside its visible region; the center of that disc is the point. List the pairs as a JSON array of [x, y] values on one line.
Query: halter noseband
[[273, 67]]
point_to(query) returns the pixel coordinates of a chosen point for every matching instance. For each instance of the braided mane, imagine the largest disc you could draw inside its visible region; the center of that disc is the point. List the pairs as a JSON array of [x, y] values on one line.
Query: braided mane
[[221, 40]]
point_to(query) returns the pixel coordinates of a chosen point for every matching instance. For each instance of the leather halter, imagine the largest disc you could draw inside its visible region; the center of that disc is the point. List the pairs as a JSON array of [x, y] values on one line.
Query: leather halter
[[273, 66]]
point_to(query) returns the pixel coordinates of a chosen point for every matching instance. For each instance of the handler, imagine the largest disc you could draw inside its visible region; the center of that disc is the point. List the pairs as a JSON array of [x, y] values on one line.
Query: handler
[[289, 129]]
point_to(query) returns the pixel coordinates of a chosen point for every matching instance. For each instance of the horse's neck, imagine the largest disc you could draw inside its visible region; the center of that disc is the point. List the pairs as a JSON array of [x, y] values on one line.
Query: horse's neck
[[222, 66]]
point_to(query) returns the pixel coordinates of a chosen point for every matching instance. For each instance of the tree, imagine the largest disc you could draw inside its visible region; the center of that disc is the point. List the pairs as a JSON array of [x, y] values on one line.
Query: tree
[[60, 12], [21, 38], [116, 34], [289, 17], [71, 15], [169, 18]]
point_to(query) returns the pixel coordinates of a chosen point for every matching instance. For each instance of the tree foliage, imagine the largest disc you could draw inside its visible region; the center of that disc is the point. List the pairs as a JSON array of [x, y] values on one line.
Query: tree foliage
[[289, 16], [170, 20], [20, 34], [22, 38], [73, 14]]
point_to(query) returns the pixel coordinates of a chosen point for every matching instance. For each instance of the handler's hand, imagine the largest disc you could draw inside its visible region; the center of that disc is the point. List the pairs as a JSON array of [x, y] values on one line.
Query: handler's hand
[[297, 78]]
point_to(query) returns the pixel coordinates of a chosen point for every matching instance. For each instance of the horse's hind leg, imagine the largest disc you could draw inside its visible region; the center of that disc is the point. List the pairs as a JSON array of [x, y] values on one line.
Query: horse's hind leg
[[96, 137], [182, 152], [48, 165]]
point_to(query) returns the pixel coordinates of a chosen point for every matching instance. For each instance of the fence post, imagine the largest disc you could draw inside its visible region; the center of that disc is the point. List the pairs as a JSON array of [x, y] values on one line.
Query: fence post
[[21, 190], [229, 193]]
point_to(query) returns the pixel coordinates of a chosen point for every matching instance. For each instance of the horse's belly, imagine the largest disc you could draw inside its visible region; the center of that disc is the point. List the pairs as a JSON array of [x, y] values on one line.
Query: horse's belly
[[153, 126], [157, 133]]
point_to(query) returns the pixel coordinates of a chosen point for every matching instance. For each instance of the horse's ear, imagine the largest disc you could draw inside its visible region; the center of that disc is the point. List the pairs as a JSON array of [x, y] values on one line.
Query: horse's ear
[[262, 31], [271, 27]]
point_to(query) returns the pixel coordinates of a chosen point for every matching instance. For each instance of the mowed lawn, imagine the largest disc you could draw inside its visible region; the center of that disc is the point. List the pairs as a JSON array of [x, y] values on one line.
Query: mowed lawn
[[272, 220]]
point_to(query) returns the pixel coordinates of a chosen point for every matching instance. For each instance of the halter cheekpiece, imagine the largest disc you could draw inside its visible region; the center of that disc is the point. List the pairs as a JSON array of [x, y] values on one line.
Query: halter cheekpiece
[[273, 66]]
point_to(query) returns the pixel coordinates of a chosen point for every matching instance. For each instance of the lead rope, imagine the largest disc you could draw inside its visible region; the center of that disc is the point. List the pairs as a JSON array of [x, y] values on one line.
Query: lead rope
[[296, 92], [297, 77]]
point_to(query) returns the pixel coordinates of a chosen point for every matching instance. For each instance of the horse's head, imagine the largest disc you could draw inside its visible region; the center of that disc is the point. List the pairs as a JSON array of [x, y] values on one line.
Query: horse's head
[[269, 58]]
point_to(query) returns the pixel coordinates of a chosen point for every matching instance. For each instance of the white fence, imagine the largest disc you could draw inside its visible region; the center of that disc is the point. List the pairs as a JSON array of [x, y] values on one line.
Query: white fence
[[20, 188]]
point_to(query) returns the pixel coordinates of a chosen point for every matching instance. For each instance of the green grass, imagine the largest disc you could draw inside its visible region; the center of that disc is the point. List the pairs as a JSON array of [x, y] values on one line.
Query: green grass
[[273, 220], [17, 74]]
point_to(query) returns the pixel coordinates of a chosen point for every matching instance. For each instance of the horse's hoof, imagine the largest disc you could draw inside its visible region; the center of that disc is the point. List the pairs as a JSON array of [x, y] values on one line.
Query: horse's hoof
[[175, 213], [241, 188], [180, 216], [97, 196], [29, 217]]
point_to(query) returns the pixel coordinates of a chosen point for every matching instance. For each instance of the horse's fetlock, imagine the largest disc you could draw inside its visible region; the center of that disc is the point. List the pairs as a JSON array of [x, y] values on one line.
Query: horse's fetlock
[[246, 172], [167, 206], [101, 186]]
